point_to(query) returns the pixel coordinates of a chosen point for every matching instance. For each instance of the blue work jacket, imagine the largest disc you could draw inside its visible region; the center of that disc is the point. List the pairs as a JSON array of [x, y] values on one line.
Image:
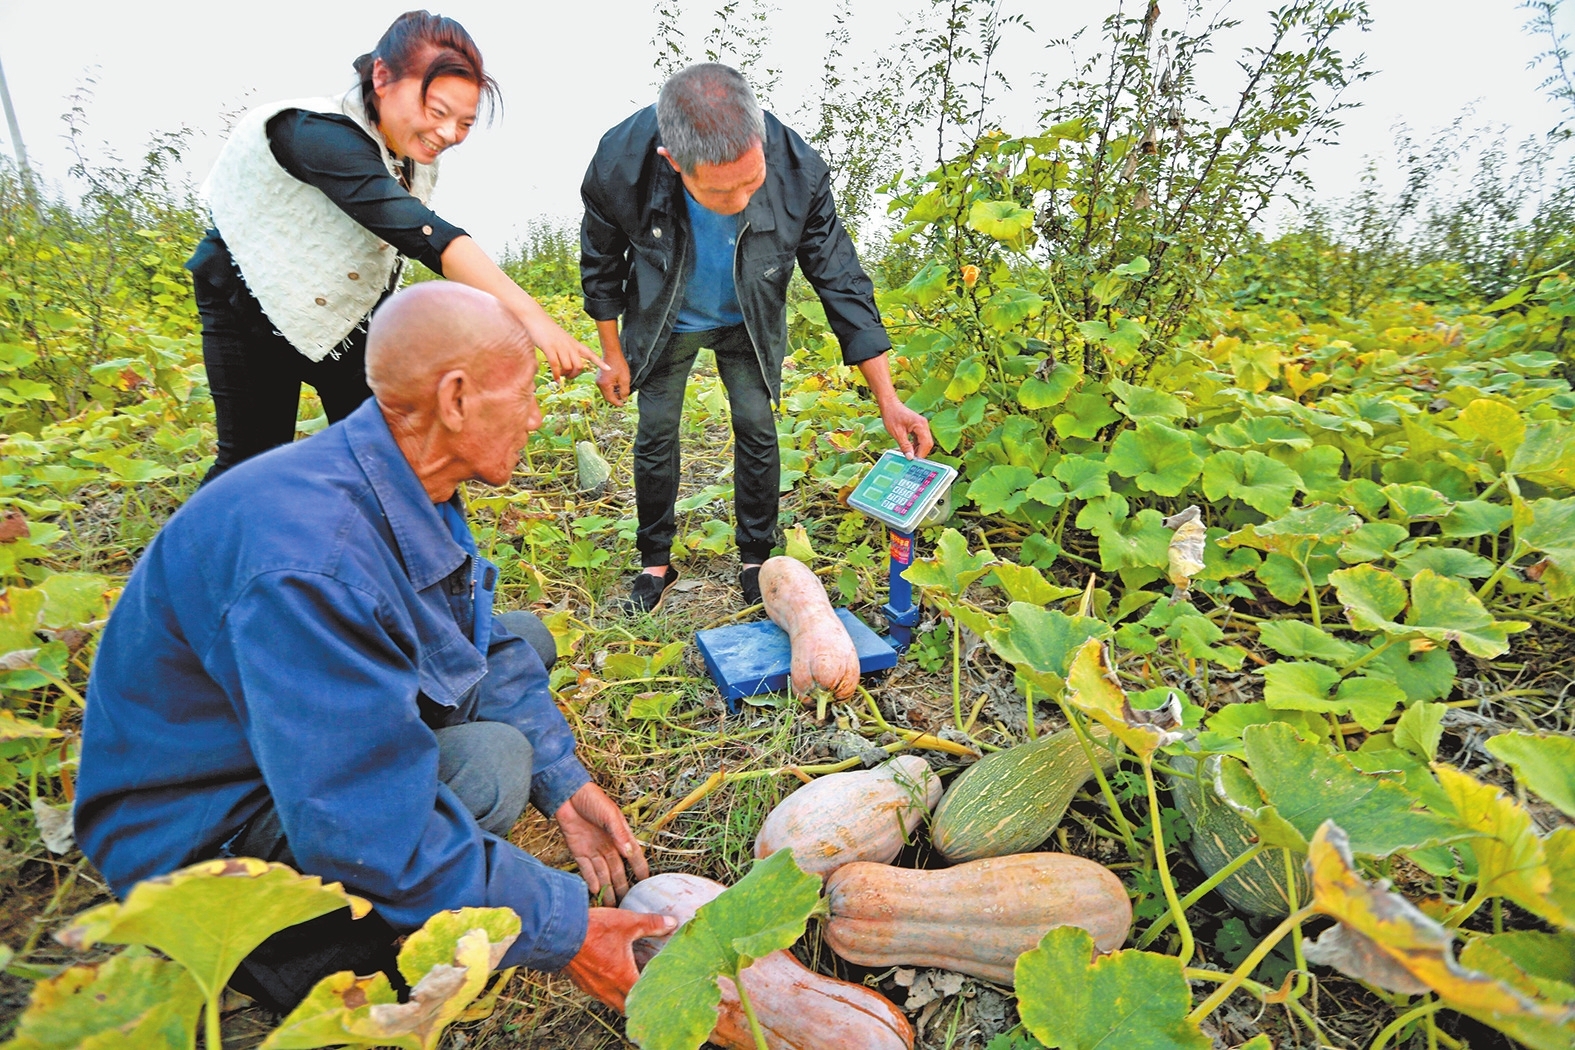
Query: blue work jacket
[[290, 633]]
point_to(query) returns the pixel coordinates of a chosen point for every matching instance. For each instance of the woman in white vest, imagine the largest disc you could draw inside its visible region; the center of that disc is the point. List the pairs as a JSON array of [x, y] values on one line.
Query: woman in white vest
[[316, 203]]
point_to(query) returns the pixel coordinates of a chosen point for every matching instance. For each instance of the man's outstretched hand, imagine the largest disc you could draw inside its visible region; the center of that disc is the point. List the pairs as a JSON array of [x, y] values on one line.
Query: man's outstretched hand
[[601, 842], [908, 428], [605, 966]]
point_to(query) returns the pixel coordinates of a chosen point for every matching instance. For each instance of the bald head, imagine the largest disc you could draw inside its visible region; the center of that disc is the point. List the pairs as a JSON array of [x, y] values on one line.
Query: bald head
[[434, 328]]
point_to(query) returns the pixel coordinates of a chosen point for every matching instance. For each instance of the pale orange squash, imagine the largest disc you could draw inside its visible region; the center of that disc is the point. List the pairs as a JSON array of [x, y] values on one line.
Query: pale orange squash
[[864, 814], [976, 918], [823, 653]]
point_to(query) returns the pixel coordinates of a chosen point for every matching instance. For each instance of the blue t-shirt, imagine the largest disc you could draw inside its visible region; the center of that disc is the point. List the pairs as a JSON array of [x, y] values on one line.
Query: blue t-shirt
[[710, 300]]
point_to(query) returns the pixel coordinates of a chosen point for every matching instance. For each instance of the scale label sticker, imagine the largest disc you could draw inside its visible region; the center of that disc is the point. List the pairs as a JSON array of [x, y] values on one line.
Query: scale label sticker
[[901, 549]]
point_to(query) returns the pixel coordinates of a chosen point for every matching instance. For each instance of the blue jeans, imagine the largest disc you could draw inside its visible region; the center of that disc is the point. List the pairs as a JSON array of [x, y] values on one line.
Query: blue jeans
[[486, 764], [757, 460]]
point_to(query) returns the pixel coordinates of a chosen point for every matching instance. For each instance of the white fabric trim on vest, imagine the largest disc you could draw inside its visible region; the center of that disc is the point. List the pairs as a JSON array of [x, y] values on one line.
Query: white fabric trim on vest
[[315, 270]]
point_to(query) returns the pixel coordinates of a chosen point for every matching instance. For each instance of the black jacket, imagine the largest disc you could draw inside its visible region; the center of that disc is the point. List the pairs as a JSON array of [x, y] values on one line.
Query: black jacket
[[636, 252]]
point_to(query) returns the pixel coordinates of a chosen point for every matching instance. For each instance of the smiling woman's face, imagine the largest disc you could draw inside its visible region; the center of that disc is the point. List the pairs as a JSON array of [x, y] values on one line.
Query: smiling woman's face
[[421, 128]]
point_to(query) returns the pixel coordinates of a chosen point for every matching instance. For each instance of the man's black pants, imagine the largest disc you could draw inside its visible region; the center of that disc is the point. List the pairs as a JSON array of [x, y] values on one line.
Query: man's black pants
[[255, 375], [757, 461]]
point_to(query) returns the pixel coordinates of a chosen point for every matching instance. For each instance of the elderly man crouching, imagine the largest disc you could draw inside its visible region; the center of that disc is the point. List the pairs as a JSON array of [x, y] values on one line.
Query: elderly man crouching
[[305, 667]]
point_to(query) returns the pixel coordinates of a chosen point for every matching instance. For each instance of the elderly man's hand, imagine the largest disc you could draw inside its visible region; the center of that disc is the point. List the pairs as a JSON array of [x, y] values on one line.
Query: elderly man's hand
[[600, 840], [908, 428], [604, 966]]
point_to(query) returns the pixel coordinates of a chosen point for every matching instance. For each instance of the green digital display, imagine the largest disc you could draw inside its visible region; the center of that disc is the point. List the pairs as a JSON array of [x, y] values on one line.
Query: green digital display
[[901, 491]]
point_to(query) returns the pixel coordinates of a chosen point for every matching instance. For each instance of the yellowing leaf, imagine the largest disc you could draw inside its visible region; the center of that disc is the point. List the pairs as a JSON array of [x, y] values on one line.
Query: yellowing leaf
[[210, 916], [1092, 687], [1416, 944], [798, 546], [447, 962], [1510, 858], [131, 1000]]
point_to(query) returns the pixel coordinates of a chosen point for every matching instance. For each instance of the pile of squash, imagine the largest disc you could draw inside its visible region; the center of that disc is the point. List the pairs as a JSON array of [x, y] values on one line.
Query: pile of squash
[[976, 917]]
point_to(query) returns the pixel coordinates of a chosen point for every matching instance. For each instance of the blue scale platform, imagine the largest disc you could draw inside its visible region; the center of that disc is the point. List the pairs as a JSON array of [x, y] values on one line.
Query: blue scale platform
[[747, 659]]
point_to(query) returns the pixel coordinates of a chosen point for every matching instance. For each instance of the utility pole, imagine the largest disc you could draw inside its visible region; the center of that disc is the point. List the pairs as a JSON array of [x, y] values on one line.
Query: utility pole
[[16, 143]]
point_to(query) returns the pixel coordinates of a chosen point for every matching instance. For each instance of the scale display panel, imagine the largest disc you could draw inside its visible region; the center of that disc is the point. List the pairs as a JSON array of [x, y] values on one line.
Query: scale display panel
[[901, 491]]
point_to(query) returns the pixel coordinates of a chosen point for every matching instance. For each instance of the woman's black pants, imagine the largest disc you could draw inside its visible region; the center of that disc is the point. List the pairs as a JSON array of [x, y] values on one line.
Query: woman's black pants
[[255, 375]]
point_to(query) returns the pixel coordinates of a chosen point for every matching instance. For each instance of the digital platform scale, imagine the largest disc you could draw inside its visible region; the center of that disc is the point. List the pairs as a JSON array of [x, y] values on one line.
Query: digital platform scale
[[903, 494]]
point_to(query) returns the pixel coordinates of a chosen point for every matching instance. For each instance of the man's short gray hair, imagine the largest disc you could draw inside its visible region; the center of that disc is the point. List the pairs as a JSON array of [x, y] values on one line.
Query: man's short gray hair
[[708, 115]]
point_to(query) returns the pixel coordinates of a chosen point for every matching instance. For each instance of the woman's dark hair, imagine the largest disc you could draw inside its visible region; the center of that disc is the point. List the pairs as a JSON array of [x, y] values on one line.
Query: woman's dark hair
[[440, 42]]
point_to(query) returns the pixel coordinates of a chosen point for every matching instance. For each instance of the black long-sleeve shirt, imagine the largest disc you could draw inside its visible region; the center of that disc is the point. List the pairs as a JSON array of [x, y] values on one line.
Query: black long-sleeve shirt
[[332, 153]]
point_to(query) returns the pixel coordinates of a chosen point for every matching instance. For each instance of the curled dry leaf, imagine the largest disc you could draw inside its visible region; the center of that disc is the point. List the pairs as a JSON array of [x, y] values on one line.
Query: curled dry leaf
[[13, 526], [54, 826], [1186, 547]]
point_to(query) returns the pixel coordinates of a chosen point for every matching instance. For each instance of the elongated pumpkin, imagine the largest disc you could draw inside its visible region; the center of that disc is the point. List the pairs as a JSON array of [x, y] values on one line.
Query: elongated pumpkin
[[1010, 801], [976, 918], [798, 1008], [864, 814], [1219, 836], [823, 653]]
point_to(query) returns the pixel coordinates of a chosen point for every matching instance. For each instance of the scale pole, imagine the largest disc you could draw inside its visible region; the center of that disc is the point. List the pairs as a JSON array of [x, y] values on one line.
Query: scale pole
[[902, 616]]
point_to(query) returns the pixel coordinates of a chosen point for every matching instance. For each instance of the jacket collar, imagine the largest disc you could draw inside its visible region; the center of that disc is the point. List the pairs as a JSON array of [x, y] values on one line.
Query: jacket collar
[[428, 551], [667, 190]]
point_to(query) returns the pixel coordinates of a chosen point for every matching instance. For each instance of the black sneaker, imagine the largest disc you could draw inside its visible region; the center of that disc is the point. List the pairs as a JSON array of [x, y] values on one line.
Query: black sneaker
[[749, 583], [648, 591]]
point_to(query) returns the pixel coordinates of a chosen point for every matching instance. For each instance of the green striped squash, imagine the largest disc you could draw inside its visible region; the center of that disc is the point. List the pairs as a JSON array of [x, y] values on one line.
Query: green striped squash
[[1219, 836], [1010, 801]]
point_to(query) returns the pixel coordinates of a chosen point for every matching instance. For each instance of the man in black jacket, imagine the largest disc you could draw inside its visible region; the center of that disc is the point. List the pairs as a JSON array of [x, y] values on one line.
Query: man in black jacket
[[695, 211]]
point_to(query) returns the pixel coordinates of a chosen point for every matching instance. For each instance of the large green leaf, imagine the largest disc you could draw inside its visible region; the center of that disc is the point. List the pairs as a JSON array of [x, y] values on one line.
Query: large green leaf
[[1137, 402], [210, 916], [1024, 583], [1296, 533], [1264, 484], [1036, 393], [1305, 686], [1544, 764], [1307, 784], [1040, 643], [1126, 543], [1129, 999], [1374, 541], [1002, 220], [1417, 502], [1010, 307], [1084, 478], [1372, 598], [967, 377], [130, 1001], [1446, 610], [1087, 412], [1299, 640], [1547, 456], [1158, 457], [1551, 531], [1001, 489], [1500, 425], [952, 570], [673, 1004]]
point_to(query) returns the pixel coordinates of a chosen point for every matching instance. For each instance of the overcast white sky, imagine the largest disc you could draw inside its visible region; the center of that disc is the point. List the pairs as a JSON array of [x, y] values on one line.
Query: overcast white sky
[[571, 70]]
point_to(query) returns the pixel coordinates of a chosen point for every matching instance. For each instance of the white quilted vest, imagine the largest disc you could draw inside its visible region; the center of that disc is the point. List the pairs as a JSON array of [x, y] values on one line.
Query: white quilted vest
[[315, 270]]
